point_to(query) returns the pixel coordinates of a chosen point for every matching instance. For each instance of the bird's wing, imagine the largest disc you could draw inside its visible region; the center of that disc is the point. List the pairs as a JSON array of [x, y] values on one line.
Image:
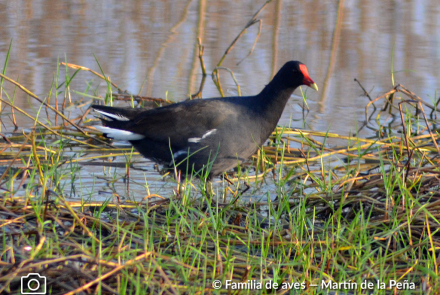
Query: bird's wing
[[180, 122]]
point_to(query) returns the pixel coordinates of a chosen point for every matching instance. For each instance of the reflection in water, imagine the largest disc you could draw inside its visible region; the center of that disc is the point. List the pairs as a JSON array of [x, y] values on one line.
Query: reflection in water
[[150, 48], [154, 43]]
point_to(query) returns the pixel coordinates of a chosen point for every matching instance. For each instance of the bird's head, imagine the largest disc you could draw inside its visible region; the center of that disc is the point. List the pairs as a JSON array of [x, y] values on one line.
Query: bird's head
[[297, 74]]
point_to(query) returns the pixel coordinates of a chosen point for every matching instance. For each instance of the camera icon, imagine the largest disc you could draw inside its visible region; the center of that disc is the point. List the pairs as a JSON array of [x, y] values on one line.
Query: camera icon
[[33, 283]]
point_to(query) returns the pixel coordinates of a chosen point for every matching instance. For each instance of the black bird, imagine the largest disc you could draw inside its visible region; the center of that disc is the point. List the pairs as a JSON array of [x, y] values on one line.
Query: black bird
[[216, 133]]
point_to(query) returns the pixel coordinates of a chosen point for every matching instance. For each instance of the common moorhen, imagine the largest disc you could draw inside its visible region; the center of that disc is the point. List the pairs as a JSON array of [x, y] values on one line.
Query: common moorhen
[[216, 133]]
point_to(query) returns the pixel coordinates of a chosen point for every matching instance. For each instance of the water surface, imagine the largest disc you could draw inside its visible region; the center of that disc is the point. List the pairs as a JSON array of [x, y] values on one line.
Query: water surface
[[150, 48]]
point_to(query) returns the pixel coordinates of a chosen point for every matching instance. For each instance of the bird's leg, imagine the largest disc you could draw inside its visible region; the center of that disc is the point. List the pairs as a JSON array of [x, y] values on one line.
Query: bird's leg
[[225, 177], [209, 190], [181, 191], [241, 193], [245, 189], [180, 187]]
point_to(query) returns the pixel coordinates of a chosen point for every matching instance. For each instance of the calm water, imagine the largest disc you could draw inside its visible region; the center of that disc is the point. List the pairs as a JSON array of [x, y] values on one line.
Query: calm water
[[154, 44]]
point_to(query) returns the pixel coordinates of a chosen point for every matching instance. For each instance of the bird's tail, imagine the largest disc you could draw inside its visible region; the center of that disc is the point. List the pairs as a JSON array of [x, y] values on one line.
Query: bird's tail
[[113, 121]]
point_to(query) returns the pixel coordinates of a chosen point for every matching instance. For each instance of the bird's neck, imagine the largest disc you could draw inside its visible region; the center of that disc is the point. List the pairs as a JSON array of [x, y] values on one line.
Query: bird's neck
[[273, 98], [270, 104]]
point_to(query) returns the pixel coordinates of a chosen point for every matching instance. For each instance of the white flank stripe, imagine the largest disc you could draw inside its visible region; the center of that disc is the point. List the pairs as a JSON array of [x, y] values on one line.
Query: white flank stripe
[[117, 117], [194, 139], [176, 155], [212, 131], [179, 153], [198, 139], [119, 134]]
